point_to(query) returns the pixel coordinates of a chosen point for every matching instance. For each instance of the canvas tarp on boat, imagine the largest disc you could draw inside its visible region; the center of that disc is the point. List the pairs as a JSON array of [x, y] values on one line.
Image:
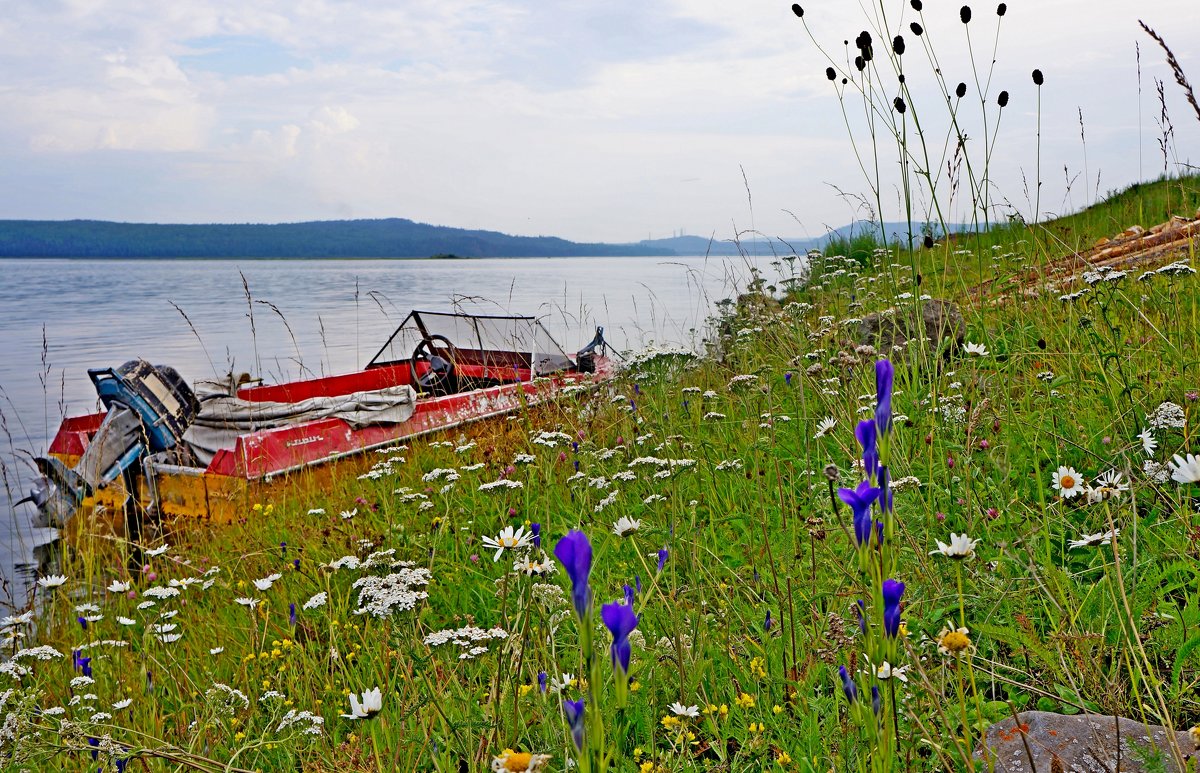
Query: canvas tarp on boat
[[224, 417]]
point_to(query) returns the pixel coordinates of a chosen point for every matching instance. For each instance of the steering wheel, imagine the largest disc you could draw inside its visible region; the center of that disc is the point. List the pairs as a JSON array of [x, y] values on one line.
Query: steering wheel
[[439, 376]]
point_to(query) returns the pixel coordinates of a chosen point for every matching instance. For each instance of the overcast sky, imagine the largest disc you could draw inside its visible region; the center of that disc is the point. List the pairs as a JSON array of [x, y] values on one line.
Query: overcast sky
[[594, 121]]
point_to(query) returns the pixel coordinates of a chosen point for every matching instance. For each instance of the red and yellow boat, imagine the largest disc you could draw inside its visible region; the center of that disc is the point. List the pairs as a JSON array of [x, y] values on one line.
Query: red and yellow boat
[[169, 450]]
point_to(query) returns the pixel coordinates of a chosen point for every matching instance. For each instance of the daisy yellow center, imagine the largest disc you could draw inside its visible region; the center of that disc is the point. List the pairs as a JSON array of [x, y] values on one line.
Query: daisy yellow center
[[955, 642], [508, 542], [1066, 481], [516, 761]]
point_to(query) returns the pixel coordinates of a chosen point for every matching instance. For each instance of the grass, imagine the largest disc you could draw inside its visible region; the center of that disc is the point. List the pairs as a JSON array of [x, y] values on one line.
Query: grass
[[752, 612]]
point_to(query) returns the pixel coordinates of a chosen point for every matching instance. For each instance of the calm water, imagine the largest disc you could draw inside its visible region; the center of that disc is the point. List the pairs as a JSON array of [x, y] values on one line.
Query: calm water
[[60, 317]]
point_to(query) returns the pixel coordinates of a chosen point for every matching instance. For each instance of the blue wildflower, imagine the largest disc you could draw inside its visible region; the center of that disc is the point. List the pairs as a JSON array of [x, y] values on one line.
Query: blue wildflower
[[620, 621], [542, 681], [892, 591], [884, 378], [574, 552], [848, 685], [860, 500], [536, 530], [573, 710], [662, 558], [866, 434]]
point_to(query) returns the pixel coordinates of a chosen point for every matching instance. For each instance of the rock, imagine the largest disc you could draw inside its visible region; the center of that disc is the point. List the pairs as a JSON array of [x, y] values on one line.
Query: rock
[[1081, 743], [941, 321]]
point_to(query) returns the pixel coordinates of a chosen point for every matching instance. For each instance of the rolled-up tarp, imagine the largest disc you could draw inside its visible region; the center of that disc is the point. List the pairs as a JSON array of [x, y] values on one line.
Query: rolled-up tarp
[[223, 418]]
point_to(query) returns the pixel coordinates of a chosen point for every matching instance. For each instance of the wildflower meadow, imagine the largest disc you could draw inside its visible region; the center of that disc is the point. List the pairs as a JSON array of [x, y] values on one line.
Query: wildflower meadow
[[810, 547]]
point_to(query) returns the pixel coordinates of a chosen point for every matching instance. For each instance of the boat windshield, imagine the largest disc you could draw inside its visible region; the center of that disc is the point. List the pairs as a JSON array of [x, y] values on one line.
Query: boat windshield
[[503, 342]]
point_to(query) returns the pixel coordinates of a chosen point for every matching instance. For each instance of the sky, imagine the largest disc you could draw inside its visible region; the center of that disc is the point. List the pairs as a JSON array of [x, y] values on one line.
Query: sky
[[594, 121]]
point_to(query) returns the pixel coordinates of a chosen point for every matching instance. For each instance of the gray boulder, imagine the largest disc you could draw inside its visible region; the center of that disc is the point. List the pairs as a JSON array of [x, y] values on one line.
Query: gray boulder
[[1081, 744], [938, 321]]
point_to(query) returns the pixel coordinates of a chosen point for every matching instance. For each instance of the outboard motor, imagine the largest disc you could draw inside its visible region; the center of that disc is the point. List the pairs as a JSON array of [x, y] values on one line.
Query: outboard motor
[[585, 358], [149, 409]]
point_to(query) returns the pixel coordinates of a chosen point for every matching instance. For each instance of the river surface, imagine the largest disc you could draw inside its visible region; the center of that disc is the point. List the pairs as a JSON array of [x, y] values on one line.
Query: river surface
[[283, 319]]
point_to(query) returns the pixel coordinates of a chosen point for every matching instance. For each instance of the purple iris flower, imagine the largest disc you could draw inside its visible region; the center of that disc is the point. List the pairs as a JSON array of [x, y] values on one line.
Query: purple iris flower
[[82, 622], [292, 614], [629, 594], [884, 378], [879, 532], [859, 609], [576, 465], [574, 713], [575, 446], [892, 591], [95, 744], [767, 622], [866, 434], [637, 582], [542, 681], [283, 550], [296, 563], [885, 489], [536, 530], [574, 552], [787, 378], [662, 558], [860, 500], [875, 700], [620, 621], [848, 685], [637, 390]]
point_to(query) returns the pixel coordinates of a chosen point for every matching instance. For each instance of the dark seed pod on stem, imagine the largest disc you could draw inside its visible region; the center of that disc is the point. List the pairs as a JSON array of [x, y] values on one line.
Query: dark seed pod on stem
[[961, 91], [859, 63], [830, 73], [899, 105], [928, 242], [898, 45], [901, 77], [1002, 9], [964, 13], [916, 5], [1002, 99], [916, 29], [1038, 80], [796, 9]]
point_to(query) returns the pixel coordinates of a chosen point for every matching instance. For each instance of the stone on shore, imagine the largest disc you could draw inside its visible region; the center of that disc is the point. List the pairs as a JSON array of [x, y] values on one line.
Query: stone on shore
[[1082, 744]]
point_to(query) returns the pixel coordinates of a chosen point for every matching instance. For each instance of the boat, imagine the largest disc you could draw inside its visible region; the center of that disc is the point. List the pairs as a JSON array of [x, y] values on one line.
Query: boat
[[165, 450]]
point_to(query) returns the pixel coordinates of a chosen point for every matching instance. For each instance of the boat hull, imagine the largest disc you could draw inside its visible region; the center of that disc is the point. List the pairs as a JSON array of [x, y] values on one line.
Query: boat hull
[[264, 465]]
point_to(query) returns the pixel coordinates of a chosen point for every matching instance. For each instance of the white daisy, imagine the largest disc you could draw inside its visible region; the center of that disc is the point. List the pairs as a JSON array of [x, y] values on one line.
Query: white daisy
[[1149, 444], [1068, 482], [116, 586], [1095, 540], [126, 621], [508, 539], [961, 546], [158, 551], [216, 650], [123, 704], [1111, 483], [560, 683], [348, 514], [626, 526], [266, 582], [978, 350], [372, 702], [824, 426], [246, 601], [52, 580], [885, 670], [1185, 470], [679, 710]]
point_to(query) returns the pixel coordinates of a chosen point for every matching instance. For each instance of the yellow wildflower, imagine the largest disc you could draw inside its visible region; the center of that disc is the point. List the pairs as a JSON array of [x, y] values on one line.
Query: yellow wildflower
[[745, 701]]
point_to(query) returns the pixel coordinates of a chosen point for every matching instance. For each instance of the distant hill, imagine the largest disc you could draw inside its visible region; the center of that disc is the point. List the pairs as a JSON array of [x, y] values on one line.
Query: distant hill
[[698, 245], [388, 238]]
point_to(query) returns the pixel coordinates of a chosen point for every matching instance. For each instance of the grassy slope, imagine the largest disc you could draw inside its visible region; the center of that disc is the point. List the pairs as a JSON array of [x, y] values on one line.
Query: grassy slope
[[1051, 626]]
